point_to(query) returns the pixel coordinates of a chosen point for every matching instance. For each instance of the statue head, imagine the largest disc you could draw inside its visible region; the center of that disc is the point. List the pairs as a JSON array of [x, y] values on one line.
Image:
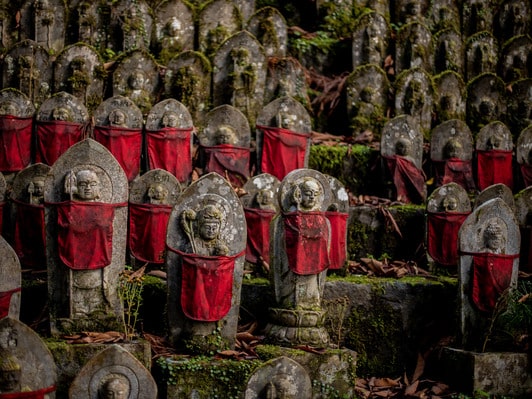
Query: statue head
[[453, 149], [403, 147], [137, 79], [8, 108], [285, 119], [36, 187], [450, 203], [170, 119], [117, 117], [62, 114], [210, 219], [225, 135], [117, 387], [368, 94], [486, 108], [264, 199], [494, 235], [10, 373], [88, 185], [173, 27], [308, 195], [495, 142], [157, 193], [281, 386]]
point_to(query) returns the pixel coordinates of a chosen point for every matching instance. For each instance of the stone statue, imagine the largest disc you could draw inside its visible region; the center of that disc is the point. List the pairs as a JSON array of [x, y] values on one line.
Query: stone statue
[[115, 387], [10, 286]]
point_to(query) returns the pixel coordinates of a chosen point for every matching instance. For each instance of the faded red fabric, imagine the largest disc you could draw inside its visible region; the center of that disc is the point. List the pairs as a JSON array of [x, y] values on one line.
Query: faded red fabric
[[5, 301], [338, 251], [408, 179], [30, 238], [85, 234], [125, 145], [54, 138], [492, 274], [283, 150], [525, 261], [147, 231], [442, 236], [15, 143], [2, 204], [258, 229], [38, 394], [455, 170], [526, 172], [228, 158], [206, 285], [170, 149], [494, 167], [307, 242]]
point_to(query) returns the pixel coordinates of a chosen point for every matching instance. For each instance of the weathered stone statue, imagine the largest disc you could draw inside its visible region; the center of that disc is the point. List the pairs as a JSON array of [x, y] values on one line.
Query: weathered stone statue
[[485, 101], [131, 25], [512, 19], [450, 97], [225, 144], [85, 197], [43, 21], [371, 39], [118, 126], [519, 105], [300, 247], [206, 243], [337, 213], [10, 285], [513, 61], [283, 137], [27, 214], [524, 155], [444, 14], [451, 152], [480, 55], [3, 192], [449, 52], [477, 16], [489, 243], [270, 28], [16, 130], [61, 122], [114, 373], [414, 48], [447, 208], [498, 190], [151, 198], [523, 214], [218, 20], [401, 149]]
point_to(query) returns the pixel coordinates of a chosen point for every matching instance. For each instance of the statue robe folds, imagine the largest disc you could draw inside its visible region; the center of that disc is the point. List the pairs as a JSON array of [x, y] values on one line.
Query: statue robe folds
[[170, 149], [15, 143], [283, 151], [85, 234], [30, 236], [38, 394], [442, 236], [5, 301], [125, 144], [258, 234], [408, 179], [455, 170], [207, 285], [492, 275], [306, 239], [55, 137], [228, 159], [338, 252], [494, 167], [147, 231]]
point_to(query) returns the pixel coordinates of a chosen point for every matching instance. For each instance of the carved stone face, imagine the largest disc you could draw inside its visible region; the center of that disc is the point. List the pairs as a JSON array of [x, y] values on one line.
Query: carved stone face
[[61, 114], [38, 187], [136, 80], [265, 198], [10, 380], [225, 135], [403, 147], [88, 185], [173, 27], [450, 204], [310, 193], [157, 193], [115, 388], [209, 222], [493, 237], [170, 119], [8, 108], [117, 118]]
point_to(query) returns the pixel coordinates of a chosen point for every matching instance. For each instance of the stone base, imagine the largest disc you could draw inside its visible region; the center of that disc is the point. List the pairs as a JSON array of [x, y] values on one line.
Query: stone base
[[495, 373]]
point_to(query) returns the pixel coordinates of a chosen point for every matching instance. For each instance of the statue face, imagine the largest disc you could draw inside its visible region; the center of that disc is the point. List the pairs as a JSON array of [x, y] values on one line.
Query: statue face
[[403, 147], [209, 229], [8, 108], [61, 114], [158, 193], [265, 197], [174, 27], [225, 135], [115, 389], [450, 204], [38, 187], [170, 119], [310, 192], [493, 236], [136, 80], [88, 185], [10, 380], [117, 118]]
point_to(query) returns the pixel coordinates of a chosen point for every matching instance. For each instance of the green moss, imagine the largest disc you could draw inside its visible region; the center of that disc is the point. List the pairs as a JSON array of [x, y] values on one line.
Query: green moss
[[256, 281]]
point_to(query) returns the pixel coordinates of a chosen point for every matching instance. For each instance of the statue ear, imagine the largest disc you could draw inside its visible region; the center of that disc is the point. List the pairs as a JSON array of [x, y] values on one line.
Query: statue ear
[[297, 196], [71, 187]]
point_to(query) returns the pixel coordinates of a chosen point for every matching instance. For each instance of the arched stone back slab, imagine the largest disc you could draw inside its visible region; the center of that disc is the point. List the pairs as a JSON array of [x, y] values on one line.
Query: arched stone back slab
[[403, 126], [455, 130], [225, 115], [498, 190], [435, 200], [10, 284], [264, 181], [155, 118]]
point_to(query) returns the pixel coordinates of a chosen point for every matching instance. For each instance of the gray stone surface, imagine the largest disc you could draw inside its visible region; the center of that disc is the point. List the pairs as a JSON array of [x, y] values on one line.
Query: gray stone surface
[[414, 48], [44, 21], [63, 106], [286, 77], [130, 114], [168, 113], [519, 105], [450, 197], [406, 128], [131, 24], [444, 14], [371, 38], [476, 17], [10, 284], [485, 101], [82, 300], [261, 192], [448, 51], [450, 98], [269, 27], [494, 136], [225, 116], [513, 59], [449, 135], [14, 102], [480, 54], [110, 371], [156, 186], [523, 147], [498, 190], [512, 19]]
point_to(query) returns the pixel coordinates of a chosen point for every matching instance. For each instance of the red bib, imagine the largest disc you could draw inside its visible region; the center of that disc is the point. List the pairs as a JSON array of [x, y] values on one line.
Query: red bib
[[338, 252], [408, 179], [228, 159], [493, 167], [30, 237], [454, 170], [15, 143], [147, 231], [526, 172], [125, 144], [54, 138], [85, 234], [307, 239], [442, 236], [258, 228], [283, 150], [525, 261], [170, 149], [5, 301], [38, 394]]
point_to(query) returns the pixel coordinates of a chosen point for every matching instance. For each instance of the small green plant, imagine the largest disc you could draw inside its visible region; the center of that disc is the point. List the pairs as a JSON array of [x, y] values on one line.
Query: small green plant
[[130, 286]]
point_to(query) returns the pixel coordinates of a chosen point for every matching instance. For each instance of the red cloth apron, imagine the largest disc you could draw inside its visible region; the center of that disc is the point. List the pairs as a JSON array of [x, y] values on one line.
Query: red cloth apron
[[147, 231], [206, 285], [231, 159], [15, 143], [5, 301], [2, 204], [525, 261], [338, 252], [493, 167], [283, 151], [170, 149], [307, 240], [55, 137], [492, 275], [526, 172], [442, 236], [408, 179], [455, 170], [30, 236], [38, 394], [125, 145], [85, 234], [258, 229]]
